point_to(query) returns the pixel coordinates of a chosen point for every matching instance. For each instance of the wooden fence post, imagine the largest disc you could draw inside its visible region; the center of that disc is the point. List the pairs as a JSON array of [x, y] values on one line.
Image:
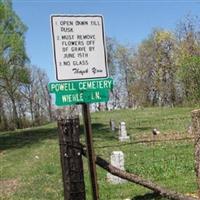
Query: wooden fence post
[[196, 131], [71, 159]]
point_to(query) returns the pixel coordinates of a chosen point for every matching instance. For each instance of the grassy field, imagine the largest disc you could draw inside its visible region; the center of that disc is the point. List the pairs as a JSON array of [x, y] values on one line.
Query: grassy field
[[30, 165]]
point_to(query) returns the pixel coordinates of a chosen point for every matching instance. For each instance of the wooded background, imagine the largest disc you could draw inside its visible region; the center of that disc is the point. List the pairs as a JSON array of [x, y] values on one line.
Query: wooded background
[[163, 70]]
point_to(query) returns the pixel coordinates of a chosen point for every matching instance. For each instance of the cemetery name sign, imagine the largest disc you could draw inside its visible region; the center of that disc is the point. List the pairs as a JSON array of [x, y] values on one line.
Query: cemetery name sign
[[84, 91], [79, 47]]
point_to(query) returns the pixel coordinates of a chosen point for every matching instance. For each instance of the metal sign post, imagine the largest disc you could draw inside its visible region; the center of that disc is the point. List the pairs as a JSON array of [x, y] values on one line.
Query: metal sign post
[[81, 70], [90, 150]]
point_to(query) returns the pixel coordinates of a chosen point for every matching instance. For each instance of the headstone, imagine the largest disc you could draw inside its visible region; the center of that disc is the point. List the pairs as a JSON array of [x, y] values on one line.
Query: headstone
[[123, 133], [117, 160], [112, 125]]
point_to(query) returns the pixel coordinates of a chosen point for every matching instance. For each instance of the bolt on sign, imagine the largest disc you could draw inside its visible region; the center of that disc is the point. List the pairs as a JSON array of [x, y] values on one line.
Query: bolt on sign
[[79, 47], [80, 60]]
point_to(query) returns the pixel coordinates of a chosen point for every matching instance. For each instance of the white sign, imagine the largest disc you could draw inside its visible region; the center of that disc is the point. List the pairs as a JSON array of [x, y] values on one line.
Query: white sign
[[79, 47]]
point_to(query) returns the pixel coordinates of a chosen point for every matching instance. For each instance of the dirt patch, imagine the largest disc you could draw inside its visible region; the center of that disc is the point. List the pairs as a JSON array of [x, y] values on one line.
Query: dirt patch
[[8, 187]]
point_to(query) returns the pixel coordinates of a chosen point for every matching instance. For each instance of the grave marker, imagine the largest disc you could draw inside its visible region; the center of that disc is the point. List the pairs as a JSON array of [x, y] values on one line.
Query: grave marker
[[117, 160], [112, 125], [123, 133]]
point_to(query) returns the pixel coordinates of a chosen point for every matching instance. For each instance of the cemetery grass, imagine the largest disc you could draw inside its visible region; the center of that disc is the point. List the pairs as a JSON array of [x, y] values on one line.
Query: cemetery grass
[[30, 163]]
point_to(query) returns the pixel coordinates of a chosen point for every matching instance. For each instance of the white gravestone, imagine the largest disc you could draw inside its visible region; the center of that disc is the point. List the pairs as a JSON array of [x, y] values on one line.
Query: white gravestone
[[123, 133], [117, 160], [112, 125]]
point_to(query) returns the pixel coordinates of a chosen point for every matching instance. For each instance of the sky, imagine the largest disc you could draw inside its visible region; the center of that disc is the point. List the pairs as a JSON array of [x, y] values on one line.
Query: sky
[[129, 22]]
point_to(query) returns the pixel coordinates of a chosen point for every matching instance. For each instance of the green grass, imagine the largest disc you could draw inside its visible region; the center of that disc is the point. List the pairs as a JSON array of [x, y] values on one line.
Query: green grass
[[30, 158]]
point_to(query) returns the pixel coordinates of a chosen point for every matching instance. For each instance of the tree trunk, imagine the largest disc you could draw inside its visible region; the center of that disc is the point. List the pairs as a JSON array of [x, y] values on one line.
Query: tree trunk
[[196, 131], [106, 106], [3, 119], [15, 114], [127, 89], [50, 108], [31, 110]]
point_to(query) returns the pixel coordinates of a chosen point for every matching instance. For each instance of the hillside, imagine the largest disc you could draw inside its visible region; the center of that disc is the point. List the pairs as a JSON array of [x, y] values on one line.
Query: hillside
[[30, 165]]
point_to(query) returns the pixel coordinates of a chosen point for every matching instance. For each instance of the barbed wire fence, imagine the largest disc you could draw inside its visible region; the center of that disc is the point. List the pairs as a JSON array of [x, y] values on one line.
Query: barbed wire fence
[[152, 155], [146, 156]]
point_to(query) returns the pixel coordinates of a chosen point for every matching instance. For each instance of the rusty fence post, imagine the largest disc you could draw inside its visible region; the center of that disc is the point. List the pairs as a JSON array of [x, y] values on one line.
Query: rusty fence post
[[71, 159], [196, 131]]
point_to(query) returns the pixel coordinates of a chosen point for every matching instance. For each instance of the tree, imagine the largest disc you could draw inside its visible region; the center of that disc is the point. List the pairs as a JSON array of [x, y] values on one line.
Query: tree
[[155, 69], [13, 72], [125, 71], [188, 39], [165, 60], [37, 96], [190, 75], [111, 46], [3, 118]]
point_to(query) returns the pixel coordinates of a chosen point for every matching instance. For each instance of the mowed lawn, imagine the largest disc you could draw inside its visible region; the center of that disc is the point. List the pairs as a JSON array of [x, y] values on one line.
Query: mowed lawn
[[30, 162]]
